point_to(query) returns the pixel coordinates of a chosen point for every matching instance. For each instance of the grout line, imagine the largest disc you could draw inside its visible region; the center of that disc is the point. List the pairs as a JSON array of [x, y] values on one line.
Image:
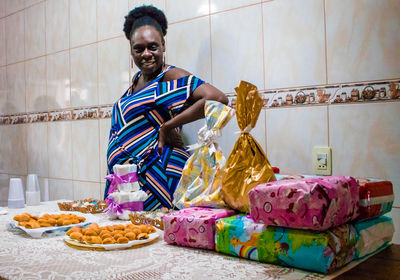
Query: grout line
[[328, 125], [263, 44], [326, 44]]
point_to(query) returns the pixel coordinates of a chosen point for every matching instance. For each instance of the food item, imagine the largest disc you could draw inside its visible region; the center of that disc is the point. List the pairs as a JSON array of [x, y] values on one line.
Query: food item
[[28, 221], [153, 218], [94, 234], [90, 205]]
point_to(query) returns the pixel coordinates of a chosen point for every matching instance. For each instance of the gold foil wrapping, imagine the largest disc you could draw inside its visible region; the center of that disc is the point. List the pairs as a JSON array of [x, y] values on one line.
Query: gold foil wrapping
[[247, 165]]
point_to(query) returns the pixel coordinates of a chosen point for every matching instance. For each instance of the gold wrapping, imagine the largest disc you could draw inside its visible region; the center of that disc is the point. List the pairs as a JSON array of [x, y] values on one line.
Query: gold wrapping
[[247, 165]]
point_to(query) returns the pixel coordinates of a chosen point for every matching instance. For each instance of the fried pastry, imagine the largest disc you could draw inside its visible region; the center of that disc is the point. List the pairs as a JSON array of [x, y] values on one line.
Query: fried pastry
[[76, 235]]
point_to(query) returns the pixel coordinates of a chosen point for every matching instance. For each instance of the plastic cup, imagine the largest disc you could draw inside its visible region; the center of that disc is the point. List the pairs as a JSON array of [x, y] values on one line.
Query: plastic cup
[[32, 184], [16, 194]]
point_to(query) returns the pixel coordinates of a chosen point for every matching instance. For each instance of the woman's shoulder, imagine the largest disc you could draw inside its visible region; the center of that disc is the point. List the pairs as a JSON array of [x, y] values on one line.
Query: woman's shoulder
[[175, 73]]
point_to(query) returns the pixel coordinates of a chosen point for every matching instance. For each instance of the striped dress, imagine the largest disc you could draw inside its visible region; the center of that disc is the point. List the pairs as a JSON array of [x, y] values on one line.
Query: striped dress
[[136, 120]]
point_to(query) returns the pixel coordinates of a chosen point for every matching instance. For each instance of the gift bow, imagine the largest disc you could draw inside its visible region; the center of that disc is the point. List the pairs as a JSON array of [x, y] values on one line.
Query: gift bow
[[114, 207], [207, 137], [120, 179]]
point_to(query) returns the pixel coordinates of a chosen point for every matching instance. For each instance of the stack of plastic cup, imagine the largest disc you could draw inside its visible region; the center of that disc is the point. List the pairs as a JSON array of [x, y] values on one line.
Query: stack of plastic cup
[[16, 194], [32, 190]]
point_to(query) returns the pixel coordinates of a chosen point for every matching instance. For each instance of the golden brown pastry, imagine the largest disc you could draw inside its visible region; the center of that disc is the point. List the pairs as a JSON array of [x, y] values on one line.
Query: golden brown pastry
[[76, 235], [130, 235], [108, 240], [32, 224], [142, 236], [122, 239]]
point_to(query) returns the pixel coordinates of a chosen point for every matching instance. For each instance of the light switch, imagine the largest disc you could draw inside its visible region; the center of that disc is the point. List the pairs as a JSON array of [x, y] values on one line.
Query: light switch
[[322, 160]]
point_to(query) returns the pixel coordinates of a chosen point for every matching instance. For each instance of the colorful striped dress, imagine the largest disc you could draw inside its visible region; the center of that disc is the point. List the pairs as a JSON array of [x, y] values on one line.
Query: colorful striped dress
[[136, 120]]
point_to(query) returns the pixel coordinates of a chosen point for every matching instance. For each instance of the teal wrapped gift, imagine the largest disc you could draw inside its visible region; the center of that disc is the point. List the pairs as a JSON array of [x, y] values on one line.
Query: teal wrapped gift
[[323, 251]]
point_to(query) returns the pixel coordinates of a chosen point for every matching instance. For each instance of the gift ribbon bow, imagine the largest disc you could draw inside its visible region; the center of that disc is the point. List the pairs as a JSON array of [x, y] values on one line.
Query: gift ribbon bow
[[120, 179], [116, 208], [207, 137]]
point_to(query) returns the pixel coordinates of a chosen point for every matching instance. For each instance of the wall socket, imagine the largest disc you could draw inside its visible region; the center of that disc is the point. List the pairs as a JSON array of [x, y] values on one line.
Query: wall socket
[[322, 160]]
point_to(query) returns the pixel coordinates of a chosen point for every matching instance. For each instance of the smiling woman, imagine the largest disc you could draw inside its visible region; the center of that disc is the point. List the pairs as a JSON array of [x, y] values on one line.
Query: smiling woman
[[146, 120]]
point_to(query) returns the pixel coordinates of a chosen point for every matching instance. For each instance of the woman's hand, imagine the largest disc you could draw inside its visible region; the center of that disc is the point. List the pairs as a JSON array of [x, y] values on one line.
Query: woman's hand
[[170, 137]]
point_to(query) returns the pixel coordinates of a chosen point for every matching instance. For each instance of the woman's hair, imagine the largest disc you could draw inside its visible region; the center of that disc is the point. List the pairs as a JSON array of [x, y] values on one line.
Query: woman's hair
[[145, 15]]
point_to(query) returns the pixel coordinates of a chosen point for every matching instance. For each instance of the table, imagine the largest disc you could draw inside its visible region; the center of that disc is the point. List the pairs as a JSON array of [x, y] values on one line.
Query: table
[[23, 257]]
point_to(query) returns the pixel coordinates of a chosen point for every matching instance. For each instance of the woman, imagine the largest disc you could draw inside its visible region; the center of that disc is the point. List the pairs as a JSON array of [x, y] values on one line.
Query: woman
[[146, 120]]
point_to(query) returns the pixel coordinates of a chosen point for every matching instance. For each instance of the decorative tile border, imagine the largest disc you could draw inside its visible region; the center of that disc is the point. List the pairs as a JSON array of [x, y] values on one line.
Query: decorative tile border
[[384, 91]]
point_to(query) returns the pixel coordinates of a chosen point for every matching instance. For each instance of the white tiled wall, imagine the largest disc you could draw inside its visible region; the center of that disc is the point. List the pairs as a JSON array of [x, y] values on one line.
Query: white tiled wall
[[58, 54]]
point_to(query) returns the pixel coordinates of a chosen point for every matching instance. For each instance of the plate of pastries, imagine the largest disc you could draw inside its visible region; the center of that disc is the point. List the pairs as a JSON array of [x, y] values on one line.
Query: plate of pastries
[[44, 224], [110, 237]]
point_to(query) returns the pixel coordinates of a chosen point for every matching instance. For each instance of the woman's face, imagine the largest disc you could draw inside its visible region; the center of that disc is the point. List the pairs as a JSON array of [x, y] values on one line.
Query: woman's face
[[147, 47]]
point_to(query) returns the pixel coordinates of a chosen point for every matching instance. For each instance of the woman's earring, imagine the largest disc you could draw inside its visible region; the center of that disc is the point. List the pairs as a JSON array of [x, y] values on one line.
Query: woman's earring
[[163, 59]]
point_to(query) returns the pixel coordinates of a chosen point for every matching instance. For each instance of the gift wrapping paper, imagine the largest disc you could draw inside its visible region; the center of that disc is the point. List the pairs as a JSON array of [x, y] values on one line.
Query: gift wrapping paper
[[308, 203], [373, 235], [193, 227], [201, 179], [247, 165], [319, 251]]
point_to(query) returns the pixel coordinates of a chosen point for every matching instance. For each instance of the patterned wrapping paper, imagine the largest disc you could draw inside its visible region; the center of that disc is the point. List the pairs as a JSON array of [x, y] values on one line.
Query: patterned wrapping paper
[[305, 249], [193, 227], [376, 197], [201, 179], [309, 203], [373, 235], [247, 165]]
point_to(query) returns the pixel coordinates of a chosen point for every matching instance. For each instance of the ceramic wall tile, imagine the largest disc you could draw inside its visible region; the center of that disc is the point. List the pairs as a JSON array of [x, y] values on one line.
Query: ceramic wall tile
[[57, 25], [14, 5], [230, 134], [294, 45], [29, 3], [3, 45], [16, 88], [84, 190], [113, 69], [111, 18], [229, 66], [3, 90], [5, 147], [84, 76], [2, 8], [223, 5], [362, 40], [37, 155], [189, 47], [83, 22], [177, 10], [105, 126], [15, 34], [35, 85], [190, 131], [160, 4], [395, 215], [58, 81], [35, 35], [365, 141], [85, 150], [17, 150], [61, 189], [291, 135], [60, 150]]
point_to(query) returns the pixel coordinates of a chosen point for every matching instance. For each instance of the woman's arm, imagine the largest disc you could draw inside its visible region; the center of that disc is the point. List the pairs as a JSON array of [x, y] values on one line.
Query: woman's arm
[[194, 112]]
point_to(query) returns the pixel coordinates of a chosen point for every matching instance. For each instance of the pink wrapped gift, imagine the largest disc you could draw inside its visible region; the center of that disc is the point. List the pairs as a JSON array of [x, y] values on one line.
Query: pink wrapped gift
[[308, 203], [193, 227]]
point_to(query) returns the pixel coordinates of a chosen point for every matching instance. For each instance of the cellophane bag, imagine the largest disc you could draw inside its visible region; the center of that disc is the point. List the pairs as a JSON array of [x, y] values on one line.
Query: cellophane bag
[[247, 165], [201, 179]]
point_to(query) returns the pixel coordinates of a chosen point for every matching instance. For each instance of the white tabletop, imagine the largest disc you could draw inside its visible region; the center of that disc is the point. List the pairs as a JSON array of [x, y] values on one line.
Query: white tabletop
[[22, 257]]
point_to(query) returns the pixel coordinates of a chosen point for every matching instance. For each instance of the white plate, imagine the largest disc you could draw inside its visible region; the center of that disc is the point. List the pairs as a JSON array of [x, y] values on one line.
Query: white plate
[[115, 246], [51, 231]]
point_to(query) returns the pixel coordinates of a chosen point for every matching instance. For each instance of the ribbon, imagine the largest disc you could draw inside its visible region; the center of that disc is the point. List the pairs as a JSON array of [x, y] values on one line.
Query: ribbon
[[247, 129], [114, 207], [207, 137], [120, 179]]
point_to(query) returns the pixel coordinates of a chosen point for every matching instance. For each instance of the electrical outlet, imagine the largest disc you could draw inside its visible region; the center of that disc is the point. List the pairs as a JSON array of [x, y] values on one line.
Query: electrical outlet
[[322, 160]]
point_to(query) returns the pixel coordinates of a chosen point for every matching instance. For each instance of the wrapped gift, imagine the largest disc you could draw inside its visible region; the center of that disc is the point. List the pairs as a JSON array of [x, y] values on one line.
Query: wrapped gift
[[373, 235], [247, 165], [124, 195], [309, 203], [376, 197], [201, 179], [193, 227], [305, 249]]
